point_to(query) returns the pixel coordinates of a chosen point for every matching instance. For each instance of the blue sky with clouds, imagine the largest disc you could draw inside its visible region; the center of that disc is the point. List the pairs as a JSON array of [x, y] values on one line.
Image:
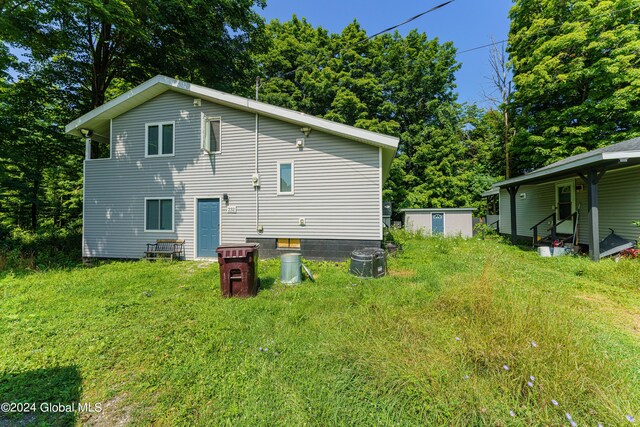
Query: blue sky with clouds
[[467, 23]]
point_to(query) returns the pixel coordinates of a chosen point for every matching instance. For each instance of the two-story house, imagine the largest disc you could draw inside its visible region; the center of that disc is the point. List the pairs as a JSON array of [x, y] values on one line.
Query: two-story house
[[189, 162]]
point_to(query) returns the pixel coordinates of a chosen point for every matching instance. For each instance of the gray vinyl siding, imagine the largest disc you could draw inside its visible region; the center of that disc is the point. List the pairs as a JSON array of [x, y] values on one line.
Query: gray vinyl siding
[[538, 204], [336, 181], [336, 185], [619, 205]]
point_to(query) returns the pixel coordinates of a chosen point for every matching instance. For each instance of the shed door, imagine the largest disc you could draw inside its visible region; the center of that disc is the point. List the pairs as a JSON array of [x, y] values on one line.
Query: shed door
[[437, 223], [208, 231]]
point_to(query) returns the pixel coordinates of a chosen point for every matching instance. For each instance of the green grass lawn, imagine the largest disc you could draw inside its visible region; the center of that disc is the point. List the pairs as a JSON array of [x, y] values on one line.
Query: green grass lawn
[[154, 343]]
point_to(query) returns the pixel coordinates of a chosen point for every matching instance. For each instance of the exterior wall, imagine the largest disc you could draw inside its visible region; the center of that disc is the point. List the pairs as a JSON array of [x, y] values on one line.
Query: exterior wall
[[456, 223], [337, 181], [619, 205], [316, 249], [415, 222], [538, 203], [336, 187]]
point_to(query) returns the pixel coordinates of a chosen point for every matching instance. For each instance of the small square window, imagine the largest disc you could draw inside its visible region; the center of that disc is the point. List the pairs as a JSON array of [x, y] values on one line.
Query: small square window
[[212, 130], [288, 244], [158, 215], [285, 177], [159, 139]]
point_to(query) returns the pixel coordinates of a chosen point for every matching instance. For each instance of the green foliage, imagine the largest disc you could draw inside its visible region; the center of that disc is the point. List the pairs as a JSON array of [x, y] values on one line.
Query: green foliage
[[51, 248], [89, 43], [40, 167], [157, 345], [577, 75]]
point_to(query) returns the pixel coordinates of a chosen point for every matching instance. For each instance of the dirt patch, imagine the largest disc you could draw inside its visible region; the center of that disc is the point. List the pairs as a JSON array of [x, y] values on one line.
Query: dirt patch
[[402, 272], [115, 413]]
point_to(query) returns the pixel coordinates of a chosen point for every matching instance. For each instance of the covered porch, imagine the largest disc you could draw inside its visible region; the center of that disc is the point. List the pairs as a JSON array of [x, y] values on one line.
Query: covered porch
[[565, 200]]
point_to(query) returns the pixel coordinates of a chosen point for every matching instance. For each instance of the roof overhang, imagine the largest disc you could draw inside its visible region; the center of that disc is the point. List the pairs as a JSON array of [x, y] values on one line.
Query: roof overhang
[[491, 192], [98, 119], [607, 160]]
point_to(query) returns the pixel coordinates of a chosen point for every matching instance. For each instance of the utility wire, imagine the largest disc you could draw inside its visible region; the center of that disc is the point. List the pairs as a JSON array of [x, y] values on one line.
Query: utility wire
[[407, 21], [413, 18], [546, 30]]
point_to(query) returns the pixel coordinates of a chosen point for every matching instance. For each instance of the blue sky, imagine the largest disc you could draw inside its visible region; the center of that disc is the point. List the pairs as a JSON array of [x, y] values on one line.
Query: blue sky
[[467, 23]]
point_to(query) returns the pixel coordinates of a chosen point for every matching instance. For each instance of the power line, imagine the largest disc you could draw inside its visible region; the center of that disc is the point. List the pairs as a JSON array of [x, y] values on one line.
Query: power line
[[413, 18], [408, 20], [546, 30]]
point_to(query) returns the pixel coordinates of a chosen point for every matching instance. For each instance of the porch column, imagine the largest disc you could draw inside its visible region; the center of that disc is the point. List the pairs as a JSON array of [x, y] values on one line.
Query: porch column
[[592, 178], [512, 203]]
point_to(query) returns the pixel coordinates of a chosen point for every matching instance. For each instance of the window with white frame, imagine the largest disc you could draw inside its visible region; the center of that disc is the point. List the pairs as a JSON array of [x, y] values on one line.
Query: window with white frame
[[285, 177], [160, 139], [211, 142], [158, 214]]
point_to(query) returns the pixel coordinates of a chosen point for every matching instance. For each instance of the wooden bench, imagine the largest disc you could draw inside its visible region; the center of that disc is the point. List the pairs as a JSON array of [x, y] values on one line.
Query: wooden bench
[[165, 248]]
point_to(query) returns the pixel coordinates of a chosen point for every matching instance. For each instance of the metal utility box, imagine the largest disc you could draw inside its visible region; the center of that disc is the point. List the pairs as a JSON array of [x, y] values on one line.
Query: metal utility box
[[368, 262], [238, 269]]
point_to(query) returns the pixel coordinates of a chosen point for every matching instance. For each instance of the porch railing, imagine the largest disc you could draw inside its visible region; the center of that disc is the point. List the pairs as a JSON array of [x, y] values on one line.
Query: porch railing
[[554, 226]]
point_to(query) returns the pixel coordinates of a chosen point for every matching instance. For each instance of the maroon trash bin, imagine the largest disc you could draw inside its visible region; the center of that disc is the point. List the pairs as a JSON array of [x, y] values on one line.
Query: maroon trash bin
[[238, 269]]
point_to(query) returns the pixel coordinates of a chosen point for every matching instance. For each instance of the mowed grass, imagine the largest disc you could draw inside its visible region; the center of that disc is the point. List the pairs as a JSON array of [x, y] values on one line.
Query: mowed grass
[[154, 343]]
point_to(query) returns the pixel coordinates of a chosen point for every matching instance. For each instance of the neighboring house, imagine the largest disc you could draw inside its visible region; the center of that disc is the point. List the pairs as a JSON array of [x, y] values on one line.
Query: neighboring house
[[580, 198], [445, 221], [188, 162]]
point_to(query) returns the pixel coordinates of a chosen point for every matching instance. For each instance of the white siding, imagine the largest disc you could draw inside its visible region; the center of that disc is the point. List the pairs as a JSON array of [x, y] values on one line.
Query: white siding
[[336, 181]]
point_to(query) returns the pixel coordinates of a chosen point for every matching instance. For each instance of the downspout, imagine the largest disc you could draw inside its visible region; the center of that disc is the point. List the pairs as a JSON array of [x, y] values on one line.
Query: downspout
[[257, 187]]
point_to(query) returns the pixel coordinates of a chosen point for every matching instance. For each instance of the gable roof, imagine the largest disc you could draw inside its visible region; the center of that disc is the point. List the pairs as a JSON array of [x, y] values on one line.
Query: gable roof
[[625, 153], [99, 117]]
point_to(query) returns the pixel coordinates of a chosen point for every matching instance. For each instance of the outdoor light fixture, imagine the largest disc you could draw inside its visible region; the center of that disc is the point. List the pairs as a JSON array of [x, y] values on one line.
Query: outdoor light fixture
[[86, 132], [306, 130], [225, 197]]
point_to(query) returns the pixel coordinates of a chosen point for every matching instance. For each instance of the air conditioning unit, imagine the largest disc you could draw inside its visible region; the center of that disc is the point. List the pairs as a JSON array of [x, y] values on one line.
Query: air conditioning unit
[[255, 180]]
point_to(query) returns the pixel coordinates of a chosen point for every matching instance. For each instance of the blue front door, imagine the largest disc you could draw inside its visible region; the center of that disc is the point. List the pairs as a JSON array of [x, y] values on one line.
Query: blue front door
[[208, 227], [437, 223]]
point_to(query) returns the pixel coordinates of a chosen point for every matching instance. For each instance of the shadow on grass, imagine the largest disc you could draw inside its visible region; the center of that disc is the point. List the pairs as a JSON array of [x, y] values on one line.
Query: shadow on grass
[[59, 386], [266, 283]]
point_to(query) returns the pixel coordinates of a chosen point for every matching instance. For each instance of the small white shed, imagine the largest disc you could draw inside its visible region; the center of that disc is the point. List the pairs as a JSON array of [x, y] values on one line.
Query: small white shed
[[446, 221]]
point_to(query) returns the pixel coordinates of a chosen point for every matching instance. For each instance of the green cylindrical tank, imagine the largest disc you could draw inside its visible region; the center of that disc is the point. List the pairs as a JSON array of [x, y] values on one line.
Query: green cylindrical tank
[[291, 268]]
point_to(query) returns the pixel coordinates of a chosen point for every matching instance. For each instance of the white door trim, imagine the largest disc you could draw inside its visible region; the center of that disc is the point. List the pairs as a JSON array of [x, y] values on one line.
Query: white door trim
[[567, 226]]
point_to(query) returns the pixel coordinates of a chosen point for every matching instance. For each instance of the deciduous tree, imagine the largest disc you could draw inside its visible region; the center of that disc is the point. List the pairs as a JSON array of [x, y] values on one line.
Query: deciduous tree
[[576, 67]]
